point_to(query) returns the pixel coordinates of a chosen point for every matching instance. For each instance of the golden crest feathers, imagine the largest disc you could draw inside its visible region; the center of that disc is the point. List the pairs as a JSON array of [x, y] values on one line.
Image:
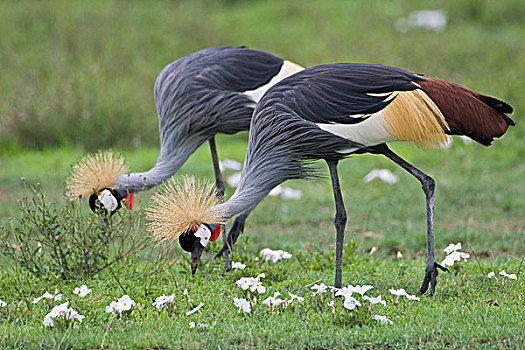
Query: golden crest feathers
[[178, 206], [94, 172]]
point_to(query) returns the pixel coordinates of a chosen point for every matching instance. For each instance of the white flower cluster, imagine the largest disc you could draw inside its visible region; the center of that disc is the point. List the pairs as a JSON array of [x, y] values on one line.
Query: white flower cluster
[[350, 302], [238, 265], [82, 291], [454, 255], [285, 192], [2, 303], [319, 288], [62, 310], [242, 304], [276, 301], [511, 276], [123, 304], [274, 255], [384, 175], [253, 283], [47, 295], [403, 293], [161, 301]]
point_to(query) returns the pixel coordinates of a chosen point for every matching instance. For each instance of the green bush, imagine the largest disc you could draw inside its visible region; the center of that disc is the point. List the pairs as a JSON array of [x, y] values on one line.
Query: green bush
[[64, 243]]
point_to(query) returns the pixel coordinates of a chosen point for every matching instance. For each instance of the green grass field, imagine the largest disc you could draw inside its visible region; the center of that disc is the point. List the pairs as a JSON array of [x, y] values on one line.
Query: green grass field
[[79, 77]]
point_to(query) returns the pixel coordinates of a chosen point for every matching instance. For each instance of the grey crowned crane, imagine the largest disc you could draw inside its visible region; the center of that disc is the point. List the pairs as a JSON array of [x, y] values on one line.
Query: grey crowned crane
[[207, 92], [330, 112]]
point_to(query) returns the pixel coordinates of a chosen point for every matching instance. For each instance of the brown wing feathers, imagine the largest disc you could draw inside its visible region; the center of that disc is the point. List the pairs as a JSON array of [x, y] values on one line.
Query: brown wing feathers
[[477, 116]]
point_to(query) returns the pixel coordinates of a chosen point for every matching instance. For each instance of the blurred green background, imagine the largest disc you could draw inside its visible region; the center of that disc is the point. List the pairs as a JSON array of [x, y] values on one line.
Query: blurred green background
[[82, 72]]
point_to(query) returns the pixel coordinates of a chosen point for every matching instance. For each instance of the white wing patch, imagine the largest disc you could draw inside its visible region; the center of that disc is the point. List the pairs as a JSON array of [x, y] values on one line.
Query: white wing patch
[[369, 132], [288, 68]]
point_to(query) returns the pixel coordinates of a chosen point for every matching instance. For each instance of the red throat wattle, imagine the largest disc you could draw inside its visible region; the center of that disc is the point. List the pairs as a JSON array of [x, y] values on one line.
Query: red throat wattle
[[216, 233], [129, 201]]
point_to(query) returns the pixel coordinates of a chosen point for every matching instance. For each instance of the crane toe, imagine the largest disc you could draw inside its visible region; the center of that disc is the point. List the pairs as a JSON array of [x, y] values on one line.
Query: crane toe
[[431, 273]]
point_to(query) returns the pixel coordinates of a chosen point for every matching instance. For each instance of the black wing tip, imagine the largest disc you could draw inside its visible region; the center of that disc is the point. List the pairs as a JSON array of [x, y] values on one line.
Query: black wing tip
[[509, 121]]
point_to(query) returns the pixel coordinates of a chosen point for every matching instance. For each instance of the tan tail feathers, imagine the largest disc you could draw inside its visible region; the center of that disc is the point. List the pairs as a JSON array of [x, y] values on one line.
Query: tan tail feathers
[[94, 172], [177, 207]]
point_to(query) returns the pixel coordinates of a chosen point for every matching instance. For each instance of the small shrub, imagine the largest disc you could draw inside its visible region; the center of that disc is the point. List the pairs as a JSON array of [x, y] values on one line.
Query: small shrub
[[51, 241]]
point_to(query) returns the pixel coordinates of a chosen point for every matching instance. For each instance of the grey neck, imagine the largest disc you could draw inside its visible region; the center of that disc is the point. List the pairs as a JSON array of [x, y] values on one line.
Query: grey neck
[[167, 164]]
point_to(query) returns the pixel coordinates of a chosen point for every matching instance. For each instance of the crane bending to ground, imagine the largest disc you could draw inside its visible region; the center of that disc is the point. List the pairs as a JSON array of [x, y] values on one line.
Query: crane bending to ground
[[207, 92], [330, 112]]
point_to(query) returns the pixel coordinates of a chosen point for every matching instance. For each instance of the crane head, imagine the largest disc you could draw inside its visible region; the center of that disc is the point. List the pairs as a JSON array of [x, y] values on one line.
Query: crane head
[[109, 201], [196, 239]]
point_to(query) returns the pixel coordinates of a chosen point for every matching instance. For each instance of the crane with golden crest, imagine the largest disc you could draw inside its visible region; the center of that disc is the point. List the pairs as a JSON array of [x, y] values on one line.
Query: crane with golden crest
[[330, 112]]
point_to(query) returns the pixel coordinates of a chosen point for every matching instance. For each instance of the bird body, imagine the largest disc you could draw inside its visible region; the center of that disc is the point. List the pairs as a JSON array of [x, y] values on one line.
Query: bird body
[[332, 111], [208, 92]]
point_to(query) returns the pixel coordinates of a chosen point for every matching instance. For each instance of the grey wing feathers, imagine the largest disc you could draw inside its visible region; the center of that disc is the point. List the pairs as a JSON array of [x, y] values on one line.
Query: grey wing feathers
[[335, 93]]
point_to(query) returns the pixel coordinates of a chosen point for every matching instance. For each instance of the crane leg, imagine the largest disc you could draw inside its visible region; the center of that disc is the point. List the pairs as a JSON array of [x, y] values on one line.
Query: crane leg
[[339, 221], [219, 185], [229, 240], [428, 185]]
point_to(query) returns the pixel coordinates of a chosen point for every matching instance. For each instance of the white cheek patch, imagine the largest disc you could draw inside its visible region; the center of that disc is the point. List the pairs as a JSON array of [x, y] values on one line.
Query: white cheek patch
[[204, 234], [108, 200]]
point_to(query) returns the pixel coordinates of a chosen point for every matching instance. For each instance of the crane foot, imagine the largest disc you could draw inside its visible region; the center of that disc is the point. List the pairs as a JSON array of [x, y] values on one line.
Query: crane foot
[[431, 273]]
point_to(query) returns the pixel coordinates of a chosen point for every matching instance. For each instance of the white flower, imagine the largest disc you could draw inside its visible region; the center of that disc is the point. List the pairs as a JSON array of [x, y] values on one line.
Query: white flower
[[59, 310], [2, 303], [361, 289], [347, 291], [194, 310], [351, 303], [294, 297], [399, 255], [382, 319], [238, 265], [242, 304], [233, 180], [319, 288], [161, 301], [491, 274], [82, 291], [253, 283], [452, 248], [331, 303], [185, 292], [48, 321], [383, 174], [273, 301], [376, 300], [112, 307], [46, 295], [274, 255], [289, 193], [455, 256], [58, 297], [192, 324], [125, 303], [402, 292], [511, 276], [230, 164]]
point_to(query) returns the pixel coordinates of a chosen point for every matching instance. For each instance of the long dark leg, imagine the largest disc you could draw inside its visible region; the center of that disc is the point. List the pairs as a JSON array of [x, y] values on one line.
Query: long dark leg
[[229, 240], [219, 183], [339, 221], [428, 185]]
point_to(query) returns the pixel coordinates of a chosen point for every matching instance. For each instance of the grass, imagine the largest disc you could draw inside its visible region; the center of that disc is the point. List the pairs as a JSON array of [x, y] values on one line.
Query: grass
[[91, 86]]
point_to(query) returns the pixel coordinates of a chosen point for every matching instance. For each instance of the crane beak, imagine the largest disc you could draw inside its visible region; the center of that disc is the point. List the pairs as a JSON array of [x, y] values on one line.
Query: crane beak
[[196, 255]]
